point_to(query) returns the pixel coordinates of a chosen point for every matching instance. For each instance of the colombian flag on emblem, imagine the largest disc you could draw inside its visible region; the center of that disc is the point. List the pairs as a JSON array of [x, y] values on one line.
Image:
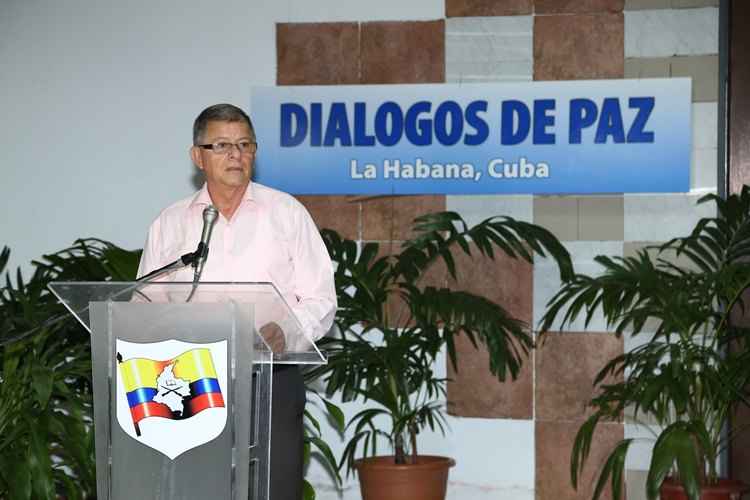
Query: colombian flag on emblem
[[176, 388]]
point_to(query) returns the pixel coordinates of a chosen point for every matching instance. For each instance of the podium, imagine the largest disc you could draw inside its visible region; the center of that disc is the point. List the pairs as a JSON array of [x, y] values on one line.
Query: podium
[[182, 379]]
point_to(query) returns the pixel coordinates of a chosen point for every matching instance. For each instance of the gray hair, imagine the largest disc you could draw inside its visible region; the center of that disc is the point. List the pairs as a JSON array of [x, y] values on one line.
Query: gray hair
[[219, 113]]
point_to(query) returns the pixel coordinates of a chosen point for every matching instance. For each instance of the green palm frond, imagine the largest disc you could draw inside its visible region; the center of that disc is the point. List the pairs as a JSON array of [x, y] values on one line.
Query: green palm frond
[[45, 394], [684, 375], [437, 233], [393, 326]]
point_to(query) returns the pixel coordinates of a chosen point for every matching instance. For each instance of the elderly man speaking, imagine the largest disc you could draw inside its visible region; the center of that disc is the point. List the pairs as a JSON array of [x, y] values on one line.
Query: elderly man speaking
[[261, 235]]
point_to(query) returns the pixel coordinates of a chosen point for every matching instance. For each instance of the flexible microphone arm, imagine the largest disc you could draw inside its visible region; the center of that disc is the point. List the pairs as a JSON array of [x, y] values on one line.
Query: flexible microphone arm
[[189, 259], [186, 260]]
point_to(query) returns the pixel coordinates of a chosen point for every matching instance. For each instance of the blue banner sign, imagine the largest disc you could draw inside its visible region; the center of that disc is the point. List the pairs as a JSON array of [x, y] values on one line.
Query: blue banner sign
[[574, 137]]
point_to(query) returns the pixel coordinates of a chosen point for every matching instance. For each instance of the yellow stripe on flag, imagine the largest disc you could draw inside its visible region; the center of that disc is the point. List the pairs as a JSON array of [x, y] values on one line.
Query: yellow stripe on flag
[[140, 372], [194, 364]]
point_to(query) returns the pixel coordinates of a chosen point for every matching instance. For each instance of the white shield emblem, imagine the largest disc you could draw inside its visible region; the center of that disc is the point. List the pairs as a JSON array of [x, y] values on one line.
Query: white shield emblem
[[171, 394]]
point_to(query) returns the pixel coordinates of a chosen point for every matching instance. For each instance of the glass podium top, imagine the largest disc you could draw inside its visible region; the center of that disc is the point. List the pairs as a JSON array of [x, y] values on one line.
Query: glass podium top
[[271, 312]]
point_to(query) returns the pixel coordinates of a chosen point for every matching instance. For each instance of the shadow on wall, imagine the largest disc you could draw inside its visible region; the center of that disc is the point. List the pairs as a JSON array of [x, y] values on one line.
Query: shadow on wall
[[197, 179]]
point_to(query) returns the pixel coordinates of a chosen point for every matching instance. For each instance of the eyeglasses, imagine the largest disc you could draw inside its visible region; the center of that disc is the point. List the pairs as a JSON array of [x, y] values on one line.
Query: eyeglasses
[[220, 148]]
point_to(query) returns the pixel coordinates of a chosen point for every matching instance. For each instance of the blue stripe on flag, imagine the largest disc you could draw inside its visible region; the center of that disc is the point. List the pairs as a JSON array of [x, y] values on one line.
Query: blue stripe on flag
[[203, 386], [142, 395]]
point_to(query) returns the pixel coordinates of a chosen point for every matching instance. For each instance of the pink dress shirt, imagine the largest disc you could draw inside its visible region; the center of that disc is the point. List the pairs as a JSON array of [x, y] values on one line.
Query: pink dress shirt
[[271, 237]]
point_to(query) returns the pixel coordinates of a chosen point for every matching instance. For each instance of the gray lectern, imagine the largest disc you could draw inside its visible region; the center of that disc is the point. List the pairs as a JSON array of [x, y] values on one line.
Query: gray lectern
[[182, 380]]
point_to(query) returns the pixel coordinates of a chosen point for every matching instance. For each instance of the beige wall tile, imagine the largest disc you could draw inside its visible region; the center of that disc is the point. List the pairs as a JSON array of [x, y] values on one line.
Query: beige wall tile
[[558, 214], [646, 4], [631, 249], [692, 4], [601, 218], [704, 71], [647, 67]]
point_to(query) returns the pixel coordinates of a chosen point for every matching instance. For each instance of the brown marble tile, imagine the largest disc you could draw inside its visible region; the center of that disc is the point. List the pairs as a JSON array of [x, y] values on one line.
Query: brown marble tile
[[740, 314], [317, 53], [391, 217], [434, 276], [505, 280], [566, 365], [553, 442], [577, 6], [579, 46], [473, 391], [339, 213], [403, 52], [483, 8], [739, 453]]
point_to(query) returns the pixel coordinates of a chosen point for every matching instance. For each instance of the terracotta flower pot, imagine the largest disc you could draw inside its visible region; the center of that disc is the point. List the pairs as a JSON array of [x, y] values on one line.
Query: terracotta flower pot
[[726, 489], [381, 479]]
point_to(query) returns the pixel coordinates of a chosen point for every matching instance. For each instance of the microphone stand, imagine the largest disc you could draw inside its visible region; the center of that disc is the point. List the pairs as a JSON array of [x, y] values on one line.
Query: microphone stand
[[186, 260]]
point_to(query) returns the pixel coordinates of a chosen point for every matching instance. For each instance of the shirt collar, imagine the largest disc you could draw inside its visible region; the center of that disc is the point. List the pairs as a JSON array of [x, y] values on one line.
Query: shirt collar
[[202, 198]]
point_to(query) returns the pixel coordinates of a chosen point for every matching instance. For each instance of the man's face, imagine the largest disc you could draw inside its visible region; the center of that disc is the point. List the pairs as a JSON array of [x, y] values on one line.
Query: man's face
[[231, 169]]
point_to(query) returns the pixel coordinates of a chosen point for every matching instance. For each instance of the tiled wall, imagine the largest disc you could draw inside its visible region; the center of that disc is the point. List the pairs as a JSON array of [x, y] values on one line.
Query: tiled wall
[[526, 428]]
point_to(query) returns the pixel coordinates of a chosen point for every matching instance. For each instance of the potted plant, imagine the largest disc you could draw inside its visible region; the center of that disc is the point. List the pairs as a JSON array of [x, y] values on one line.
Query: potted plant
[[385, 355], [684, 375]]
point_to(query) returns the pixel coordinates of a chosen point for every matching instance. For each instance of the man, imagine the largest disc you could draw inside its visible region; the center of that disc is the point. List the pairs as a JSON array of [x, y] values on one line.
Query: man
[[261, 235]]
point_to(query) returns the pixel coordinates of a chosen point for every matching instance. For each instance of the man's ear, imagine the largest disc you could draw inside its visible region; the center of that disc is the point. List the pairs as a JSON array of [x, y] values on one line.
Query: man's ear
[[196, 156]]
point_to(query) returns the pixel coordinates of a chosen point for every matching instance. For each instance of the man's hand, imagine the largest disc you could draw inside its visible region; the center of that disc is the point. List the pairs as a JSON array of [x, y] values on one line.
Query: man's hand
[[274, 337]]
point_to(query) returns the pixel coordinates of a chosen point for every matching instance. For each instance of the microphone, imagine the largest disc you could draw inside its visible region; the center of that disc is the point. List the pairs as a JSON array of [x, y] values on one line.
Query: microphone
[[210, 214]]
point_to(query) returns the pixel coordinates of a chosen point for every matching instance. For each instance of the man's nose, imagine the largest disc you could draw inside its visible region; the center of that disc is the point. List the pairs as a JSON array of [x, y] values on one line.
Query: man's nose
[[234, 150]]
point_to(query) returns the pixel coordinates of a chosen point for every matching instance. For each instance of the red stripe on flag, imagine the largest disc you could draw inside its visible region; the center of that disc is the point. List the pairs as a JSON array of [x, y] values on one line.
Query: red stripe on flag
[[207, 400], [149, 409]]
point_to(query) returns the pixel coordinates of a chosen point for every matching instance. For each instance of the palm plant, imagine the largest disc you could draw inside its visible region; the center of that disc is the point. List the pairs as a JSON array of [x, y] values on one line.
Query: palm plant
[[46, 436], [389, 359], [684, 376]]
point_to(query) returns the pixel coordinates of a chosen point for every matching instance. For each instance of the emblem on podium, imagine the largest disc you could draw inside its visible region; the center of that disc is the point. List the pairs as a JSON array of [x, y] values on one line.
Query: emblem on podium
[[170, 395]]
